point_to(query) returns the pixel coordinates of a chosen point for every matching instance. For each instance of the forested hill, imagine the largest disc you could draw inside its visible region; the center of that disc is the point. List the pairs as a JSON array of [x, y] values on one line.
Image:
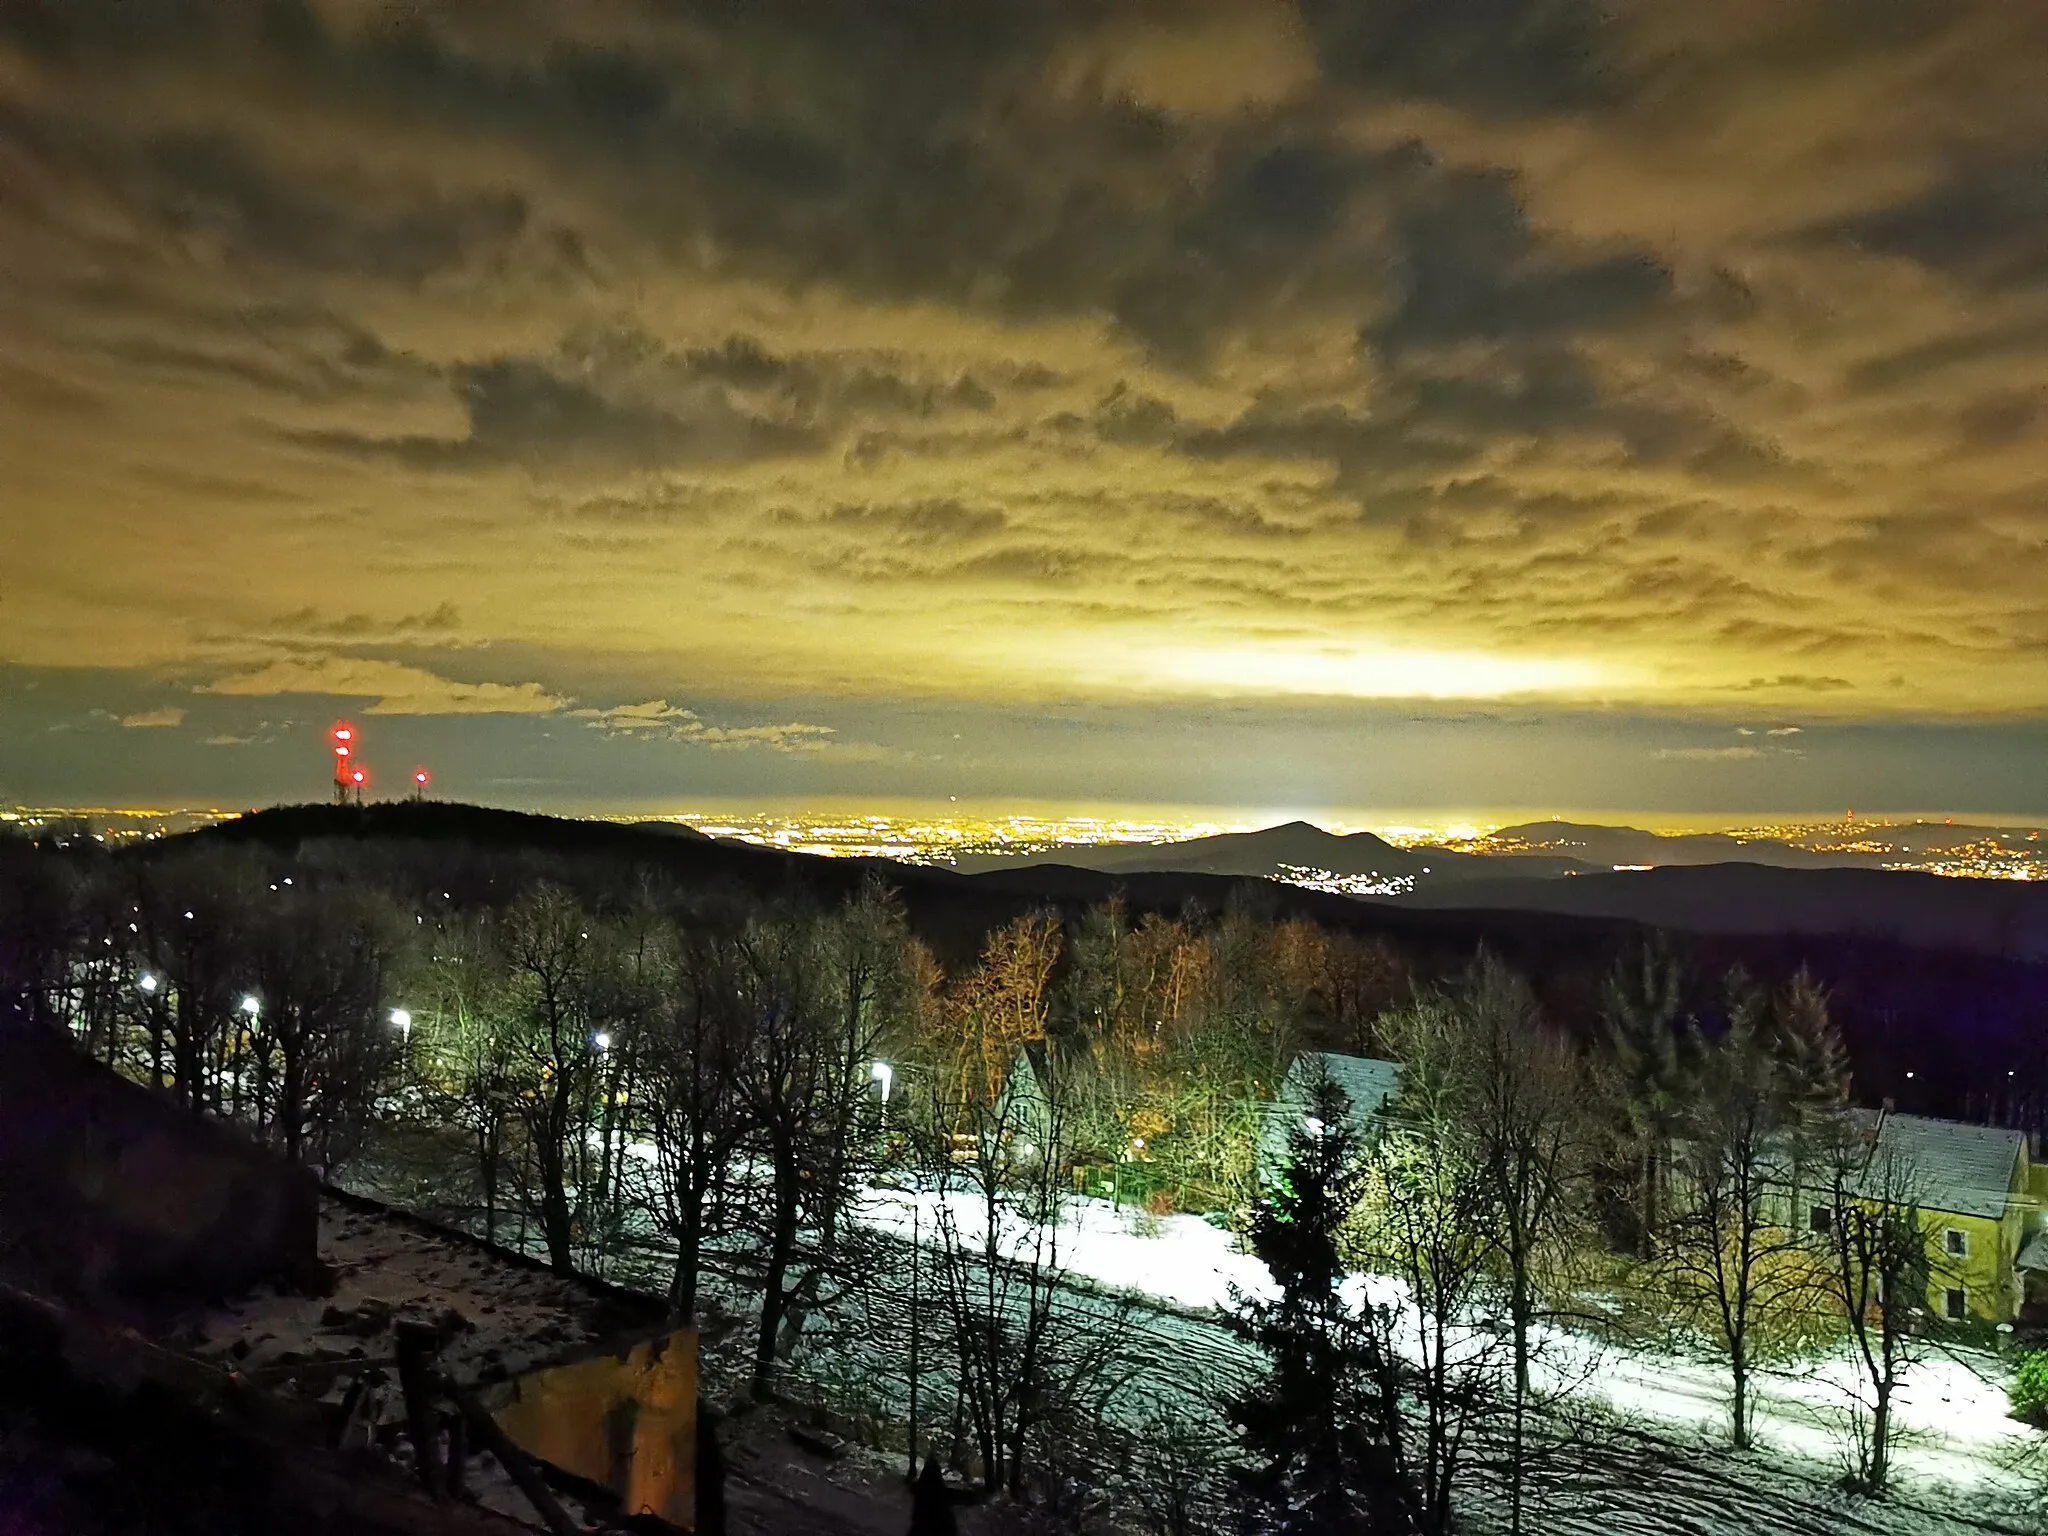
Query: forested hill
[[2007, 918], [1955, 1017]]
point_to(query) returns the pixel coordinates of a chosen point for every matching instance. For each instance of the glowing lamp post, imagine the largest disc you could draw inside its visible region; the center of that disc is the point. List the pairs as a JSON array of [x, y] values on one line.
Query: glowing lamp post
[[884, 1074], [401, 1021], [147, 983]]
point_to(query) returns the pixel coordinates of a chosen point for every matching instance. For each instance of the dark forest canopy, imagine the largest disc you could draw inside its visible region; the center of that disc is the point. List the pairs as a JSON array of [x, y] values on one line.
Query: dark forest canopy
[[1959, 1023]]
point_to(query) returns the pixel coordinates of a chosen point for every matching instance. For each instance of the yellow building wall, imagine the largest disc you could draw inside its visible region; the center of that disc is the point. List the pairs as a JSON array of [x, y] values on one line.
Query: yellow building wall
[[1985, 1276], [626, 1421], [1989, 1276]]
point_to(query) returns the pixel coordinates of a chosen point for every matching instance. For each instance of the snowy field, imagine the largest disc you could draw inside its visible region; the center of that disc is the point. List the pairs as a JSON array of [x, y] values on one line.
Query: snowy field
[[1635, 1445], [1960, 1462]]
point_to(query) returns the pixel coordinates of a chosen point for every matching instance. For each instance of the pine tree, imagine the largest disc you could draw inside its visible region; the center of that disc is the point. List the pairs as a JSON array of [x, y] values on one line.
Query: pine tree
[[1809, 1044], [1641, 1004], [1322, 1429]]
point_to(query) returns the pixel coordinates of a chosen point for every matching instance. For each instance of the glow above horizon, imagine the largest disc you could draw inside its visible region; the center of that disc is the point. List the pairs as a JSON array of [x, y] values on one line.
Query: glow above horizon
[[625, 402], [1372, 672]]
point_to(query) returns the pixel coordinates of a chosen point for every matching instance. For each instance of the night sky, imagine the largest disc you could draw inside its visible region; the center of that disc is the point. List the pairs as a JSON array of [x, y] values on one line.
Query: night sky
[[1344, 402]]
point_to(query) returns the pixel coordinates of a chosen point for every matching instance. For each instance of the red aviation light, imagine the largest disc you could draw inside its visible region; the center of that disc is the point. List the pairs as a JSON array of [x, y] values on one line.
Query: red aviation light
[[357, 776], [420, 777], [343, 731], [341, 751]]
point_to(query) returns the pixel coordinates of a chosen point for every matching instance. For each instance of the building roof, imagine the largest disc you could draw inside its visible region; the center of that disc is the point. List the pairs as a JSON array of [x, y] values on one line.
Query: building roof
[[1369, 1083], [2033, 1253], [1966, 1170]]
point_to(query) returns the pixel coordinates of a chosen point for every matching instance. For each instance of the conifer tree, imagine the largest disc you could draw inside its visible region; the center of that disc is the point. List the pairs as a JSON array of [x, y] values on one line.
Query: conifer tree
[[1641, 1004], [1322, 1429], [1814, 1072]]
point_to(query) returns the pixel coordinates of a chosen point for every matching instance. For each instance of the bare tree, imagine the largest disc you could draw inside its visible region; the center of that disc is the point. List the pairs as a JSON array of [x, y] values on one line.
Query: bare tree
[[1429, 1220], [466, 1035], [1523, 1104], [1036, 1367], [545, 942], [321, 1044], [1174, 1472], [1736, 1271], [1878, 1267], [690, 1050]]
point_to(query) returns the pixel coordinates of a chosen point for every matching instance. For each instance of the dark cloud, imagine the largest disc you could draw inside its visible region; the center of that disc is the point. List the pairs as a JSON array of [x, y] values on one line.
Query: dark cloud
[[1502, 58], [520, 410], [1985, 224], [216, 188], [945, 520], [1471, 270]]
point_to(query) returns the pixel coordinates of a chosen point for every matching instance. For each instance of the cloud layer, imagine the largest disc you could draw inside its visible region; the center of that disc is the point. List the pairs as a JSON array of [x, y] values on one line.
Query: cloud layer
[[530, 359]]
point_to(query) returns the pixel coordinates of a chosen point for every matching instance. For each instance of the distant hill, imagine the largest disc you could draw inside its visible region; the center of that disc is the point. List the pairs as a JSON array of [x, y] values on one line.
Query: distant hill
[[2006, 918], [1274, 852], [1606, 847]]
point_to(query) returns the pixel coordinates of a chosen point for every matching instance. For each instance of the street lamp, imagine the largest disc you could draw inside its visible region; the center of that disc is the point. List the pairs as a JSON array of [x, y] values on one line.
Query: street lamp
[[884, 1074], [251, 1006], [403, 1020], [147, 983], [601, 1040]]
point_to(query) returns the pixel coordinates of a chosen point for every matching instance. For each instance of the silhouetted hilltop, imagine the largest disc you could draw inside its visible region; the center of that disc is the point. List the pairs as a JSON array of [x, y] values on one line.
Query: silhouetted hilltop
[[1291, 846], [1605, 847]]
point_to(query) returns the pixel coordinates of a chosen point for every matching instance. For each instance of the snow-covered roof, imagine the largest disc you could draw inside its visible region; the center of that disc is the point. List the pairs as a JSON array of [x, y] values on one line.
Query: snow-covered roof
[[1960, 1168], [1369, 1084]]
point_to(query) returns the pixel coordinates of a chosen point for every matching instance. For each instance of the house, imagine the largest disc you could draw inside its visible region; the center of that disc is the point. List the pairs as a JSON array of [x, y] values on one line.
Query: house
[[1980, 1204], [1025, 1109], [1369, 1084]]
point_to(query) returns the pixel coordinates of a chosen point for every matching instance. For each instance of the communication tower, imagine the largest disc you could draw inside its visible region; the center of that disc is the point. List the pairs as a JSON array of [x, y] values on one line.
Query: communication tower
[[347, 779]]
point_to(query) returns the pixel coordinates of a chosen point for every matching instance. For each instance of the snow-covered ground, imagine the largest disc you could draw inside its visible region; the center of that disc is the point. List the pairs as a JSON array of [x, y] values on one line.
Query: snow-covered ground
[[1955, 1447], [1656, 1465]]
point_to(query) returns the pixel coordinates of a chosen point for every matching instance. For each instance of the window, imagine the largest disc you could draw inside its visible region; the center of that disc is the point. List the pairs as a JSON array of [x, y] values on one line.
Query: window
[[1821, 1219], [1957, 1243], [1958, 1305]]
